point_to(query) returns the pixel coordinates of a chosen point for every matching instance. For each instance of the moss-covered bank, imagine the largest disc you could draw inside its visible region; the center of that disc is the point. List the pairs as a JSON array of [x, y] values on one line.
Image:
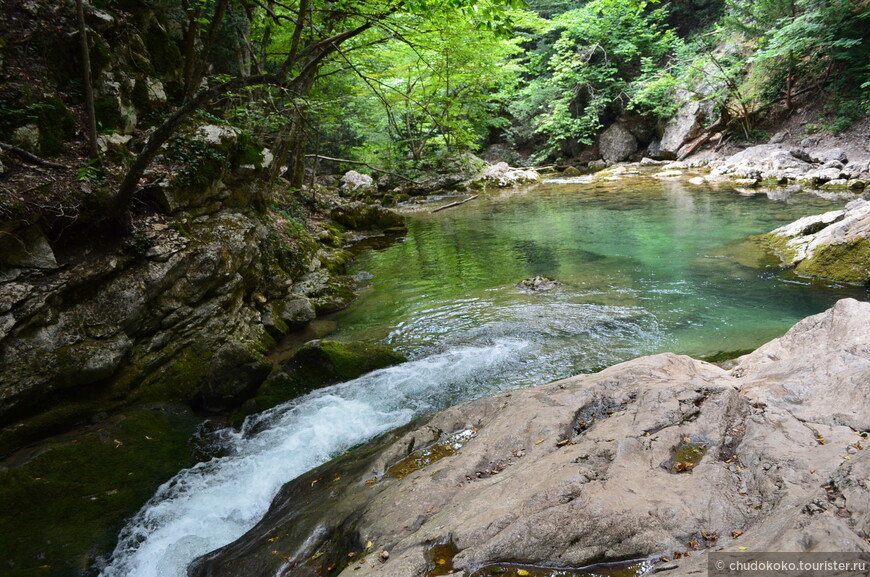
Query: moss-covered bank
[[321, 363], [65, 501]]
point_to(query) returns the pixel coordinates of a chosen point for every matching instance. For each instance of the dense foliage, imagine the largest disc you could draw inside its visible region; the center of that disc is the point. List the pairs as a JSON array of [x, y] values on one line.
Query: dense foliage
[[402, 84]]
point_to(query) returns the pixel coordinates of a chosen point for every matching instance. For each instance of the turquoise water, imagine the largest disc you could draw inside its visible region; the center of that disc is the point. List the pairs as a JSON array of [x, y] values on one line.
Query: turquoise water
[[645, 267]]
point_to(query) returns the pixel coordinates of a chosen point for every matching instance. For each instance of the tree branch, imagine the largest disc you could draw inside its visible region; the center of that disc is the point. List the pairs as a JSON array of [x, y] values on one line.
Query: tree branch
[[359, 163], [32, 157]]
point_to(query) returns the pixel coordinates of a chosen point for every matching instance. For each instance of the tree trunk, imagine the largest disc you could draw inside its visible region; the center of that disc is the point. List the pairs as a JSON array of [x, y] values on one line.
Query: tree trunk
[[199, 70], [89, 86]]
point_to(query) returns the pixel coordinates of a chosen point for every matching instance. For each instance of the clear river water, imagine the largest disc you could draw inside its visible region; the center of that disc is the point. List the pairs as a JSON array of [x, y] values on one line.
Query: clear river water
[[643, 267]]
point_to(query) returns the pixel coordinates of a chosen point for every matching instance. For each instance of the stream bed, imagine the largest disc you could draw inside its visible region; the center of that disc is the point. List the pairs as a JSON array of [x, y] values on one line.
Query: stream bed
[[642, 266]]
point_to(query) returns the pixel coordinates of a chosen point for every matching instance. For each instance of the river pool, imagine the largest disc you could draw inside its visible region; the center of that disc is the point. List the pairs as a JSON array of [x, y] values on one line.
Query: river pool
[[643, 266]]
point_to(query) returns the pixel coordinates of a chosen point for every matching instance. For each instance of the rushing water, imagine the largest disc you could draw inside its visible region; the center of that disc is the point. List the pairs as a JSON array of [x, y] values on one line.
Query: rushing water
[[643, 268]]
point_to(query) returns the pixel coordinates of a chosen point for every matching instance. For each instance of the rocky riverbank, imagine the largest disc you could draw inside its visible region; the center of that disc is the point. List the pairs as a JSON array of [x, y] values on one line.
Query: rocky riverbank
[[662, 457]]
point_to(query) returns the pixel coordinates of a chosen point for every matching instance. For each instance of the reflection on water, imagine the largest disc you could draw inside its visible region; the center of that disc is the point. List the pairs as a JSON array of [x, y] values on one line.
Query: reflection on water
[[642, 270], [645, 266]]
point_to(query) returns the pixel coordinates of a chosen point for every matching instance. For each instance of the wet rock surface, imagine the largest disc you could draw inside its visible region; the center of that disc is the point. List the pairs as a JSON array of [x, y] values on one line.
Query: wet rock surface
[[589, 469]]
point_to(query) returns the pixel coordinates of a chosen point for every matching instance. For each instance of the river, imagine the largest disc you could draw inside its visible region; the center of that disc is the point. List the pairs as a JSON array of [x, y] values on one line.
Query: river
[[643, 267]]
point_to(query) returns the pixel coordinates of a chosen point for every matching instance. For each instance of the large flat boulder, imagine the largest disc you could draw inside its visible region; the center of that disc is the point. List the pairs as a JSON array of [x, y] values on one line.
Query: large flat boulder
[[662, 456], [834, 245]]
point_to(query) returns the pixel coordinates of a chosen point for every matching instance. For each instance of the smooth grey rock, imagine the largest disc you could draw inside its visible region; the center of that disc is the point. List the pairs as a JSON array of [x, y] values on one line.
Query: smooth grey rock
[[585, 469], [654, 150], [617, 143], [837, 154], [778, 138], [26, 248]]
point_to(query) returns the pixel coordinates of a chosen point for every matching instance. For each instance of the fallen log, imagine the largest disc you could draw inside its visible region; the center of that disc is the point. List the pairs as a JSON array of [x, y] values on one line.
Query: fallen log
[[452, 204]]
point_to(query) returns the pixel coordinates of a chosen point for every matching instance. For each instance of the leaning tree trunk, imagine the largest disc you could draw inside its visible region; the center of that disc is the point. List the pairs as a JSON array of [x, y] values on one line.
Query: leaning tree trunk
[[89, 86]]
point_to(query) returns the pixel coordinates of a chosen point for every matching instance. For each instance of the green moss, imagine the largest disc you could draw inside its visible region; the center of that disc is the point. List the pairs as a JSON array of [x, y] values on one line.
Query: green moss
[[140, 96], [779, 246], [66, 506], [50, 422], [108, 113], [250, 151], [723, 356], [847, 262], [164, 53], [323, 363], [179, 380], [56, 124]]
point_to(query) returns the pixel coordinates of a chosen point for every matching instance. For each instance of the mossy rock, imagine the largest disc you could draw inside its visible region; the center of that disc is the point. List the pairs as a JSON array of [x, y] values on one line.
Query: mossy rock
[[778, 245], [335, 296], [321, 363], [50, 422], [249, 151], [108, 113], [180, 380], [56, 125], [165, 56], [66, 505], [846, 262]]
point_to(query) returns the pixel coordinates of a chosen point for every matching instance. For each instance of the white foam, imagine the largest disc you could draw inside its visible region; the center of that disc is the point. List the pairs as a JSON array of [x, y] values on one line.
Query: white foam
[[214, 503]]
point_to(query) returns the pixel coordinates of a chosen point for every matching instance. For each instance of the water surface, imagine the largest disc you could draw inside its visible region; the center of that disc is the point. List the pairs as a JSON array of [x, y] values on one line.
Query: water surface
[[644, 267]]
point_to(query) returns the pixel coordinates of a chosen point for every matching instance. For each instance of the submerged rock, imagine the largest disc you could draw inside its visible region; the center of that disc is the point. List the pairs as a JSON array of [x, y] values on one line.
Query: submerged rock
[[537, 284], [658, 456]]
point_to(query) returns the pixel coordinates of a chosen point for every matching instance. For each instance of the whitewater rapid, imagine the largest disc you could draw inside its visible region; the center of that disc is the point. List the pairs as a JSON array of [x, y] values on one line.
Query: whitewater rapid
[[216, 502]]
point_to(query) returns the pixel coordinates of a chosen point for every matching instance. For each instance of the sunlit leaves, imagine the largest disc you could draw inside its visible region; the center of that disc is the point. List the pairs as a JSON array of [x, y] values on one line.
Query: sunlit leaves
[[605, 49]]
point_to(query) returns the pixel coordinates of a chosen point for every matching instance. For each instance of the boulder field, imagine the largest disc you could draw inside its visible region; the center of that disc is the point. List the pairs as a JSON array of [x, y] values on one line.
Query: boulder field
[[663, 458]]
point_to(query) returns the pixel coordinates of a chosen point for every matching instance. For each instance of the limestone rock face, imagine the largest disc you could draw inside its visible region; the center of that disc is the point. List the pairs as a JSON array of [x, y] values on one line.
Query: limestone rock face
[[683, 127], [658, 455], [149, 322]]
